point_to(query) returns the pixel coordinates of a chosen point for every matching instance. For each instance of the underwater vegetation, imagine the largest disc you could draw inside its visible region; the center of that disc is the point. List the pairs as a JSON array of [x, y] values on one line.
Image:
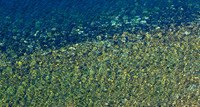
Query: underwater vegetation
[[110, 72], [89, 53]]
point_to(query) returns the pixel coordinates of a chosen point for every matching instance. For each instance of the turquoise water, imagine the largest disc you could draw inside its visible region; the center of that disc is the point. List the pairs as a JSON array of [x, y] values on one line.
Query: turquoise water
[[99, 53], [25, 23]]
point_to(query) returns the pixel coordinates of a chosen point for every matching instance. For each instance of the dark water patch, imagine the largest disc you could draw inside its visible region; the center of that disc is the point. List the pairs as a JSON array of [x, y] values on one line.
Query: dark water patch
[[27, 25]]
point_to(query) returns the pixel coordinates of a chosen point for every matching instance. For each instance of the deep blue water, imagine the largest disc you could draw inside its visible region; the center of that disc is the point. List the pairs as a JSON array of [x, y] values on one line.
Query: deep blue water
[[21, 19]]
